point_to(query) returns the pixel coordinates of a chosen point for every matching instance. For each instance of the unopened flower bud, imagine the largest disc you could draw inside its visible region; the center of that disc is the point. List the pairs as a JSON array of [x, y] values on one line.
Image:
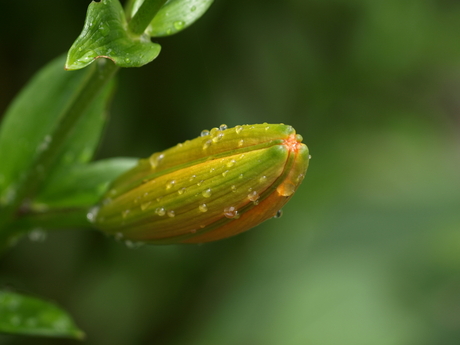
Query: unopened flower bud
[[215, 186]]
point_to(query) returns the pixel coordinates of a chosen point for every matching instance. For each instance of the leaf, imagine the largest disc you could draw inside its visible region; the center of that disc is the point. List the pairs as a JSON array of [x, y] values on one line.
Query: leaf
[[105, 35], [174, 16], [32, 117], [92, 181], [21, 314]]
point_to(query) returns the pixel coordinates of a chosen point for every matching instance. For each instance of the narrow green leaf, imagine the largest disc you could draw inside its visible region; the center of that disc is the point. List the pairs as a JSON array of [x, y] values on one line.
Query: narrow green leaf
[[174, 16], [82, 185], [27, 128], [105, 35], [21, 314]]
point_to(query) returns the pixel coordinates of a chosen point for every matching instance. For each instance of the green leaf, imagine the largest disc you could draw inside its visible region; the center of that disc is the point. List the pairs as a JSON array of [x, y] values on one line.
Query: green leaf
[[21, 314], [105, 35], [28, 127], [174, 16], [92, 181]]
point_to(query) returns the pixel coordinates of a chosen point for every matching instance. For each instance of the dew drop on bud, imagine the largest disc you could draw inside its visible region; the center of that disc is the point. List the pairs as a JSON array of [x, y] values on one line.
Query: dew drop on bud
[[238, 129], [170, 184], [233, 187], [171, 214], [241, 143], [278, 214], [286, 189], [231, 212], [204, 133], [207, 193], [217, 137], [91, 215], [231, 163], [181, 191], [263, 179], [223, 127], [160, 211], [207, 144], [203, 208], [253, 196], [225, 173]]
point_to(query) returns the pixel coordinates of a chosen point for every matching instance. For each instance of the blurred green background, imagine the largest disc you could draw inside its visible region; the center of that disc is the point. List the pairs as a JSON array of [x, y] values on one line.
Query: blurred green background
[[368, 250]]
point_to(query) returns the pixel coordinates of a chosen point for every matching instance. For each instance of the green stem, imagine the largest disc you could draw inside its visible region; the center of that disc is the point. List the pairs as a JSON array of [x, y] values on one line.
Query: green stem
[[102, 73], [56, 219], [144, 16]]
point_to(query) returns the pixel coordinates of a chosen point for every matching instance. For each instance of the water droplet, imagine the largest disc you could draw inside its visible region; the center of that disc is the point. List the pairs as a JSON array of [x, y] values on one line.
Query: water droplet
[[171, 213], [256, 202], [179, 24], [241, 176], [80, 49], [263, 179], [37, 235], [193, 8], [203, 208], [231, 212], [204, 132], [207, 193], [267, 128], [200, 183], [170, 184], [159, 198], [238, 129], [241, 143], [156, 159], [181, 191], [91, 24], [300, 178], [125, 213], [207, 144], [160, 211], [169, 31], [127, 60], [214, 131], [231, 163], [218, 137], [309, 156], [223, 127], [278, 214], [233, 187], [225, 173], [104, 30], [92, 214], [286, 189], [212, 170], [253, 196], [133, 245], [145, 205], [192, 177]]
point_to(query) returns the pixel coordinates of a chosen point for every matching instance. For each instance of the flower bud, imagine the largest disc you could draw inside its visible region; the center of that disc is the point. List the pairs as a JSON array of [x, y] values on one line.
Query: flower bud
[[215, 186]]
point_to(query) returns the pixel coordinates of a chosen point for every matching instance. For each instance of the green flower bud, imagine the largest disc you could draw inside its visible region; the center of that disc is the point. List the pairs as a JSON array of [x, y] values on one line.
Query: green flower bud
[[215, 186]]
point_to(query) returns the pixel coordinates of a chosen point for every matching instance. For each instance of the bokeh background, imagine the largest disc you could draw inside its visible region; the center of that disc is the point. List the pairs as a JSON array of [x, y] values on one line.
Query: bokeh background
[[368, 250]]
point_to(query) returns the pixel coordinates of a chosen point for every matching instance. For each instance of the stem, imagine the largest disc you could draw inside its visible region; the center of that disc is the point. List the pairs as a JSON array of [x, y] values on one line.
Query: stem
[[144, 16], [102, 73], [51, 220]]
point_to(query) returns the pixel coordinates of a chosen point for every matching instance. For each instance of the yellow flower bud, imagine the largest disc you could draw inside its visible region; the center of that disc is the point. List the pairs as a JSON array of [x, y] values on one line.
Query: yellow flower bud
[[215, 186]]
